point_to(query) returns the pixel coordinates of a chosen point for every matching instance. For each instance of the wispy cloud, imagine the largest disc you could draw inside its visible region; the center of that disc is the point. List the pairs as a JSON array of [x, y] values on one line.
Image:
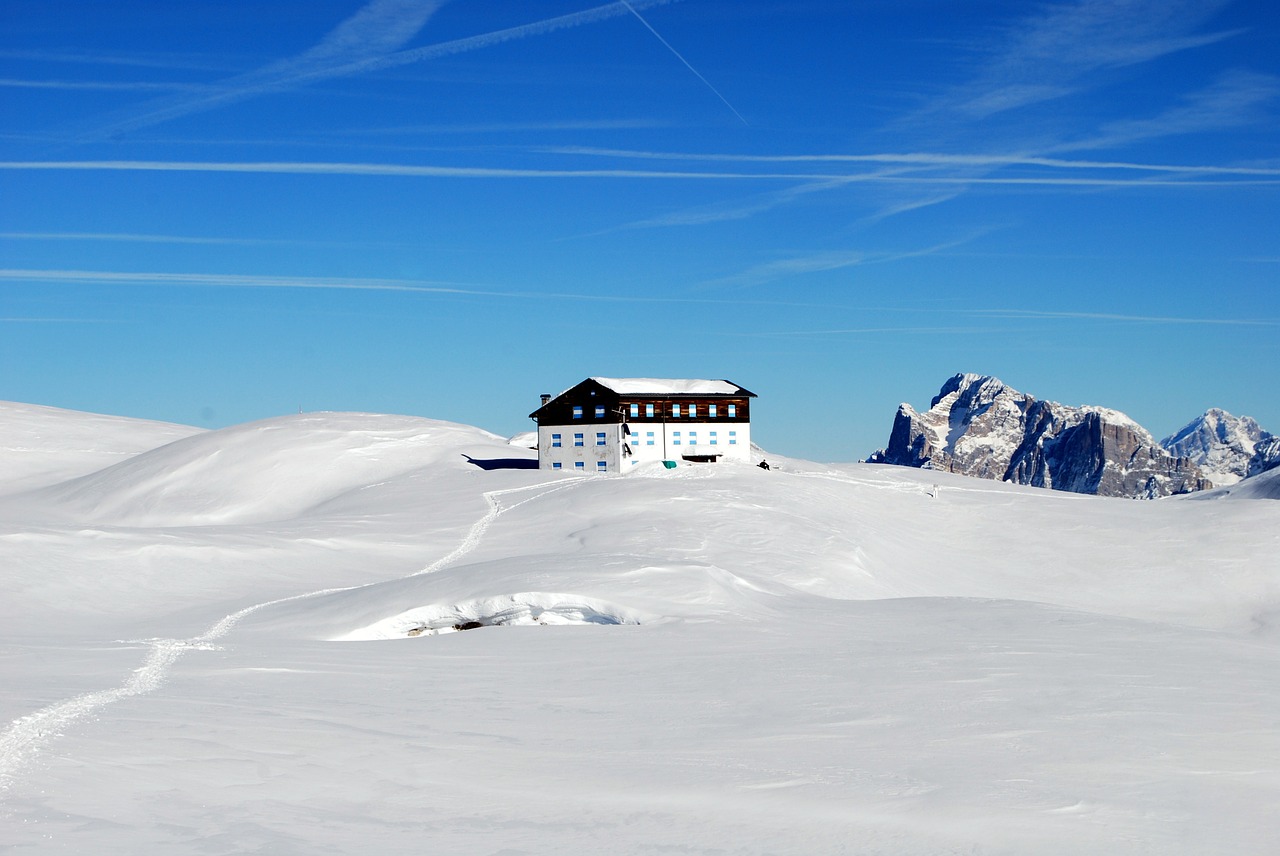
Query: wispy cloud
[[121, 237], [401, 170], [918, 160], [407, 286], [791, 267], [737, 209], [219, 280], [867, 331], [1235, 99], [102, 85], [378, 28], [185, 61], [827, 261], [1108, 316], [497, 37], [504, 127], [367, 42], [1246, 175], [20, 320], [1054, 51], [997, 314]]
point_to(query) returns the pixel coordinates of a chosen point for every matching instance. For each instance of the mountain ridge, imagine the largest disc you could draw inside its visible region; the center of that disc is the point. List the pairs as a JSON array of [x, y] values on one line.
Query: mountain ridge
[[979, 426]]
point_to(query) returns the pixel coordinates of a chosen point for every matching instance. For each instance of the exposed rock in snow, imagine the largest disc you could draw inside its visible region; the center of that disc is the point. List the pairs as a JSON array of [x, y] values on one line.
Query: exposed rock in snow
[[1222, 445], [978, 426]]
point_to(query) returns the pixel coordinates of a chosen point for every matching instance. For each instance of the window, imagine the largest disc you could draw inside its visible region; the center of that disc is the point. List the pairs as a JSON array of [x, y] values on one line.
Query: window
[[733, 438], [579, 465], [733, 411], [693, 438], [693, 411], [648, 410], [675, 410], [555, 465], [648, 438], [555, 441], [577, 439], [635, 411], [601, 466], [711, 411], [675, 438], [713, 438], [577, 412], [599, 411], [600, 438]]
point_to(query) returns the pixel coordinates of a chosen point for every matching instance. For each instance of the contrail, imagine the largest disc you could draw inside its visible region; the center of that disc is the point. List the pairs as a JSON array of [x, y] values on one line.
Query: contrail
[[429, 171], [683, 60], [324, 63]]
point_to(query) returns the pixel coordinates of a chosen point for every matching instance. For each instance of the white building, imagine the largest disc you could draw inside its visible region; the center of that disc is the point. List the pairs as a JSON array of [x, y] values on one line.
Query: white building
[[611, 425]]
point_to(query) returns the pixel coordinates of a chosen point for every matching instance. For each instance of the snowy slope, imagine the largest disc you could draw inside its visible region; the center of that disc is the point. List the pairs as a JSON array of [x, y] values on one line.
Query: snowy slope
[[43, 445], [711, 659], [270, 470]]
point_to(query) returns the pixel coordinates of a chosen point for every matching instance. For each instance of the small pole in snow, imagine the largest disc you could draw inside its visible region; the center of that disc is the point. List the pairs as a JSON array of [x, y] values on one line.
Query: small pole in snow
[[934, 491]]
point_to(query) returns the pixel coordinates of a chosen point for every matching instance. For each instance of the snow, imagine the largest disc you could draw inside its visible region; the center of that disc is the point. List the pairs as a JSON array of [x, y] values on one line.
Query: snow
[[1222, 445], [814, 659], [86, 443], [667, 386], [1123, 420], [1265, 485]]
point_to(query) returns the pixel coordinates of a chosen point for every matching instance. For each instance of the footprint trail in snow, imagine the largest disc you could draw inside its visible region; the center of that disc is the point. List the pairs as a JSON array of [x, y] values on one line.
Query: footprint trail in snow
[[28, 735]]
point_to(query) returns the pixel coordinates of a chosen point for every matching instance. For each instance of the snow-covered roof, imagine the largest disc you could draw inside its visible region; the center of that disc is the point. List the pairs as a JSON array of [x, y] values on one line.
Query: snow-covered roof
[[668, 386]]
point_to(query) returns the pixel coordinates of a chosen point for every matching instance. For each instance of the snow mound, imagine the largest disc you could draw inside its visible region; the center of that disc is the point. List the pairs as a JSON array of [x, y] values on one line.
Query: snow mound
[[522, 609], [525, 440], [275, 469], [45, 445]]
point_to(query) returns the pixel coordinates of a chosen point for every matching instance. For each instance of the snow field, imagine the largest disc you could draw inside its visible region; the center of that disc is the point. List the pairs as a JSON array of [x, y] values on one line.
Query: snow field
[[815, 659]]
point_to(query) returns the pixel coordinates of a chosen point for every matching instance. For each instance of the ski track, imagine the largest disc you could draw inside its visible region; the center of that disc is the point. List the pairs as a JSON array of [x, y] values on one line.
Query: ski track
[[28, 735]]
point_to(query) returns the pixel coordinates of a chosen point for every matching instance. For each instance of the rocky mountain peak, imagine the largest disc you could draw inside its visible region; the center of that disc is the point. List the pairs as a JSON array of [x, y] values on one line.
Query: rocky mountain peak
[[1222, 445], [977, 425]]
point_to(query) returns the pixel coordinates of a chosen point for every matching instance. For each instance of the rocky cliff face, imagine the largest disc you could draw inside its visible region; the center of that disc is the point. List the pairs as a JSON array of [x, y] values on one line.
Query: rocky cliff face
[[977, 426], [1224, 446], [1266, 456]]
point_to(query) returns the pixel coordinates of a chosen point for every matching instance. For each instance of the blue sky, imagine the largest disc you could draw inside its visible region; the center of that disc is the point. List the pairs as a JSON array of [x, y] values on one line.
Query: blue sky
[[221, 211]]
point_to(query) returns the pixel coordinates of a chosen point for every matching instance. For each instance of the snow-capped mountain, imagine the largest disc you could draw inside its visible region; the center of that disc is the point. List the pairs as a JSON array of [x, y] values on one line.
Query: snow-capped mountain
[[978, 426], [1266, 456], [1224, 446]]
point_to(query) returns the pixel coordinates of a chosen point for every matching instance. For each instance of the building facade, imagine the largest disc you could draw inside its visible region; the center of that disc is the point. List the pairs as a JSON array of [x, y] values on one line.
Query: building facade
[[612, 425]]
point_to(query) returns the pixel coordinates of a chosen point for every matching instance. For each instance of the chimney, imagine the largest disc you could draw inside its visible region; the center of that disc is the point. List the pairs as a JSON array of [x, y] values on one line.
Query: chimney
[[546, 396]]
